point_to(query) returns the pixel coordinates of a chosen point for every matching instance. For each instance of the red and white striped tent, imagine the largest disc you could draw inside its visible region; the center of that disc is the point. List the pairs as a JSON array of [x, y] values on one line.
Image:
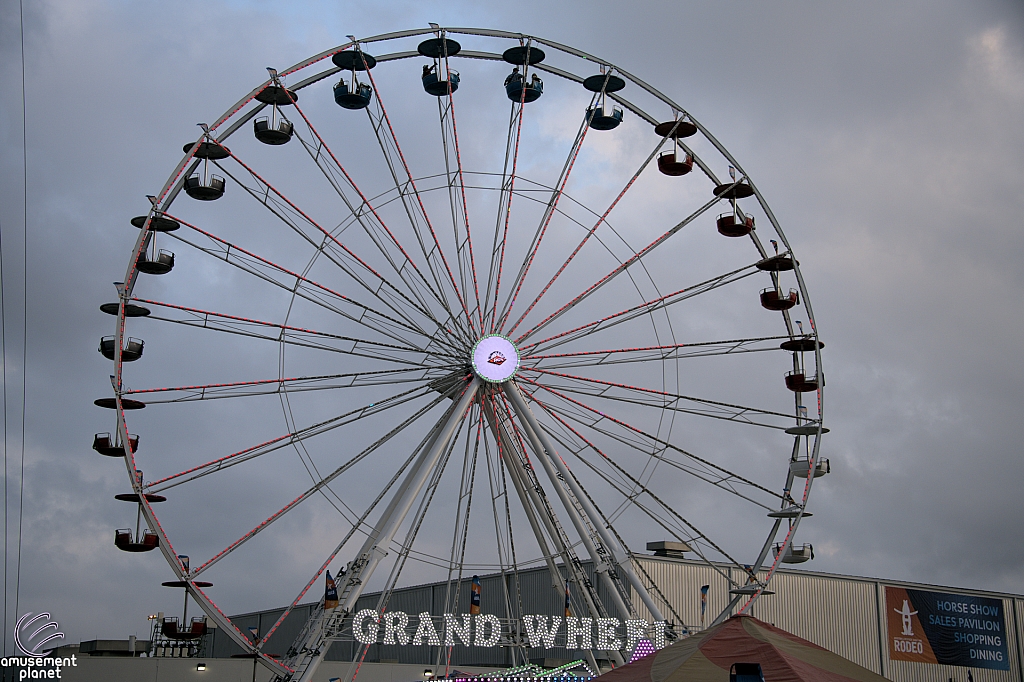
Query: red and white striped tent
[[706, 657]]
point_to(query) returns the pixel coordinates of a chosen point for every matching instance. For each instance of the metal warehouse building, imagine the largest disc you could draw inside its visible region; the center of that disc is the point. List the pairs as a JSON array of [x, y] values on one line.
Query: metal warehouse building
[[847, 615]]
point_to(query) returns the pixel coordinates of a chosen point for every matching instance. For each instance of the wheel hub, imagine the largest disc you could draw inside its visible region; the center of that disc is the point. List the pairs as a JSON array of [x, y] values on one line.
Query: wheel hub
[[495, 358]]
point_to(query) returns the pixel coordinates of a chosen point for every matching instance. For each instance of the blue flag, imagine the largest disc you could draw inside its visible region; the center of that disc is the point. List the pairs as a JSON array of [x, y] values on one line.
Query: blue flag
[[474, 596], [703, 601], [330, 593]]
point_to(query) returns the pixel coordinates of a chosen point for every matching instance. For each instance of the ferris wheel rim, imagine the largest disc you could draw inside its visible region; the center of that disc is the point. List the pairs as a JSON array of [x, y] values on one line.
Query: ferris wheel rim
[[174, 184]]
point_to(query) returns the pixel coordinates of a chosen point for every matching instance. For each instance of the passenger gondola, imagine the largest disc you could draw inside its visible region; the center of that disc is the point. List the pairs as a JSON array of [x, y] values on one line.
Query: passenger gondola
[[109, 447], [519, 89], [352, 94], [130, 352], [438, 80], [274, 129]]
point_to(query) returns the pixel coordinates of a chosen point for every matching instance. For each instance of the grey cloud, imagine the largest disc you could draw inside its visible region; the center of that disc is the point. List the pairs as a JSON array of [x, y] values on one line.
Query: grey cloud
[[885, 137]]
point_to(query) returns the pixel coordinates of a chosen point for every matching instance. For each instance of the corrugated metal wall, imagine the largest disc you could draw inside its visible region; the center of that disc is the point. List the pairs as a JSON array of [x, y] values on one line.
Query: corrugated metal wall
[[843, 614], [220, 645], [680, 583], [839, 615], [1018, 617]]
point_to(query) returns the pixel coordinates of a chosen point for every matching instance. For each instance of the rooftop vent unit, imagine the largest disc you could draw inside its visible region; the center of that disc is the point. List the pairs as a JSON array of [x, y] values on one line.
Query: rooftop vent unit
[[668, 548]]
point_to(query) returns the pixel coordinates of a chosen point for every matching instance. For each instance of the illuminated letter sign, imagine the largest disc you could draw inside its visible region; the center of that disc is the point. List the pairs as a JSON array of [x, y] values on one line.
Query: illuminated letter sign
[[485, 630]]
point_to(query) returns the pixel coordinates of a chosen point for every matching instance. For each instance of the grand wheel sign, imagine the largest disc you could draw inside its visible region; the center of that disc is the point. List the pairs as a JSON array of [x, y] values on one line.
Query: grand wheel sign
[[946, 629], [486, 630]]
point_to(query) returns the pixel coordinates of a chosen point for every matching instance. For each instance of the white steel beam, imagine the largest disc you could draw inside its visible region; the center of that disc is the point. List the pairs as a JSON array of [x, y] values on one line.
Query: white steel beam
[[549, 456]]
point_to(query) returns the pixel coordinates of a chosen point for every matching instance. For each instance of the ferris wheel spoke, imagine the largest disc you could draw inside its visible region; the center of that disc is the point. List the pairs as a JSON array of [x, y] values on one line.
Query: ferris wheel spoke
[[403, 189], [686, 532], [508, 182], [223, 463], [629, 480], [711, 474], [615, 356], [368, 219], [693, 528], [357, 526], [358, 213], [642, 309], [663, 400], [322, 240], [457, 561], [508, 560], [726, 476], [460, 527], [348, 345], [360, 525], [503, 534], [586, 238], [404, 548], [649, 445], [323, 382], [618, 270], [511, 452], [539, 510], [723, 414], [682, 532], [317, 487], [302, 286], [411, 183], [461, 201], [549, 212]]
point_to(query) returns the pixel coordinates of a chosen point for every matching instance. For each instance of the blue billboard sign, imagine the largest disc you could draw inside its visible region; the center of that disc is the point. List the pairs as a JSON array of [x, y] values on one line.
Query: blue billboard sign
[[946, 629]]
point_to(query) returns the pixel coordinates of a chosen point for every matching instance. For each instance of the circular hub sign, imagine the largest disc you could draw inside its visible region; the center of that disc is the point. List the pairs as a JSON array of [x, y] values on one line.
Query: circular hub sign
[[495, 359]]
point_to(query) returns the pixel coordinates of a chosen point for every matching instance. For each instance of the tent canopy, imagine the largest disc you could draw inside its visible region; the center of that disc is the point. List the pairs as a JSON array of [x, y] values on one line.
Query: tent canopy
[[706, 657]]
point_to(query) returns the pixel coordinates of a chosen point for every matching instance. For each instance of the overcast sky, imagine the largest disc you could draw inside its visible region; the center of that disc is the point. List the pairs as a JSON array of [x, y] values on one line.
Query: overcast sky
[[885, 136]]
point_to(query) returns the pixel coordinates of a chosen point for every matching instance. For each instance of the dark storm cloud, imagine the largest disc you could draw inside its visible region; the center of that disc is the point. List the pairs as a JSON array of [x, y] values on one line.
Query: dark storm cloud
[[885, 136]]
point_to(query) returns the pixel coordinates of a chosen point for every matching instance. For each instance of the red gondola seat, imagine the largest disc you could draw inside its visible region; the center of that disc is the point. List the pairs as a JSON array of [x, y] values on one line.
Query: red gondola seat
[[123, 541], [773, 299], [105, 445], [798, 382], [731, 225], [171, 630], [674, 165]]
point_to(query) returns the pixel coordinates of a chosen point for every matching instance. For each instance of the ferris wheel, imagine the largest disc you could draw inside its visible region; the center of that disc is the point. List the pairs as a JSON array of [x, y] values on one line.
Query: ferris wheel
[[444, 302]]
